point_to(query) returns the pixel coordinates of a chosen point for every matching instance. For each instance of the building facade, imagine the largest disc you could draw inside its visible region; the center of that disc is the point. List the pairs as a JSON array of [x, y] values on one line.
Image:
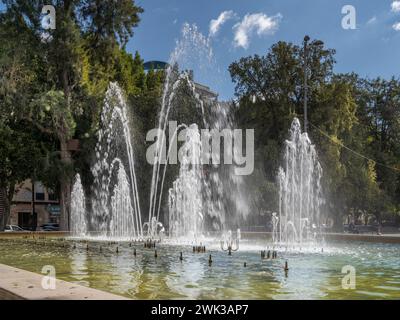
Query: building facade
[[31, 212]]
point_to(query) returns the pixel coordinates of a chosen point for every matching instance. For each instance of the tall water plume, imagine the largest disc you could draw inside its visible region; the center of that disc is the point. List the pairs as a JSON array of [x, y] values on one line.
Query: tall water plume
[[115, 203], [185, 201], [226, 200], [300, 194], [193, 47], [203, 197], [78, 225]]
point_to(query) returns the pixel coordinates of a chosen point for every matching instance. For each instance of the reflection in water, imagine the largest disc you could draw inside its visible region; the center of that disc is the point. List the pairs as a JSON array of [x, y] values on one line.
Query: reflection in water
[[186, 275], [306, 279], [312, 275], [79, 269]]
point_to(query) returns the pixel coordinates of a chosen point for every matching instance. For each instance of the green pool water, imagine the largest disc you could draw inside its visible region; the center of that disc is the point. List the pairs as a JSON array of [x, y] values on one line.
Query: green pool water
[[312, 275]]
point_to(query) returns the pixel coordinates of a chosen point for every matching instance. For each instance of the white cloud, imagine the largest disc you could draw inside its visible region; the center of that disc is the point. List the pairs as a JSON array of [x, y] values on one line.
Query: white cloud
[[396, 6], [396, 26], [258, 22], [216, 24]]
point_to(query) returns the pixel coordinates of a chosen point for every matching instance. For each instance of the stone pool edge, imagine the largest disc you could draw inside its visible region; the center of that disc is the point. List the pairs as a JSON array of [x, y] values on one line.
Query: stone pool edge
[[18, 284], [257, 235]]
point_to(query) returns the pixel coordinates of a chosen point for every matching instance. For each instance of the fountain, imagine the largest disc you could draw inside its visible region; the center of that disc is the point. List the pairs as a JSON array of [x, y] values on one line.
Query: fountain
[[230, 244], [121, 221], [300, 194], [201, 196], [115, 201], [226, 197], [192, 40], [185, 197], [78, 225], [154, 229]]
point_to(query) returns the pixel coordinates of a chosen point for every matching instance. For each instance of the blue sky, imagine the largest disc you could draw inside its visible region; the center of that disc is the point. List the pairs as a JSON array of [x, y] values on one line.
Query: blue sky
[[372, 49]]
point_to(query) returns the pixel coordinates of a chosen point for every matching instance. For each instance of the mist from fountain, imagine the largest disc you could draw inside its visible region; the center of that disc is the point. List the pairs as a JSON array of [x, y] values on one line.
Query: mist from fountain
[[226, 198], [300, 193]]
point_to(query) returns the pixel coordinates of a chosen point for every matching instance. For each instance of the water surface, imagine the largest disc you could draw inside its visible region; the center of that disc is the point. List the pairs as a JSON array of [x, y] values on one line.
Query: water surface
[[313, 274]]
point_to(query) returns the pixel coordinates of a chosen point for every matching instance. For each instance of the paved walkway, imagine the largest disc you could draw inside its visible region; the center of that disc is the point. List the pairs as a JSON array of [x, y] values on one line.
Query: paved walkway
[[24, 285]]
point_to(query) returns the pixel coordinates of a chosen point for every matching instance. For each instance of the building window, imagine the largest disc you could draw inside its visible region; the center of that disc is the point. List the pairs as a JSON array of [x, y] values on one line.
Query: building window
[[39, 191], [39, 196]]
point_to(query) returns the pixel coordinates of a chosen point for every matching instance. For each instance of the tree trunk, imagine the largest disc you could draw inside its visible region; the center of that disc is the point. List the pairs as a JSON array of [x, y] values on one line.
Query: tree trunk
[[65, 187], [66, 157], [337, 222], [3, 219]]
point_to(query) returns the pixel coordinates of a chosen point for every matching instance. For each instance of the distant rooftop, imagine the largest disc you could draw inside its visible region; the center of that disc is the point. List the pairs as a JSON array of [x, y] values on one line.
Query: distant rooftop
[[205, 91], [201, 89]]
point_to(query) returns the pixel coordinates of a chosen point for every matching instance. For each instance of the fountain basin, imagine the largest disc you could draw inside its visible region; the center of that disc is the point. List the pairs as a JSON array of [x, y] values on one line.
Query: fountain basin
[[17, 284], [313, 274]]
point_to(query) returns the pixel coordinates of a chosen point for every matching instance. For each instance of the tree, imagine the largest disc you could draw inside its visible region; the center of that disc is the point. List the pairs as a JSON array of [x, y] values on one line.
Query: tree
[[20, 153], [86, 41], [354, 123]]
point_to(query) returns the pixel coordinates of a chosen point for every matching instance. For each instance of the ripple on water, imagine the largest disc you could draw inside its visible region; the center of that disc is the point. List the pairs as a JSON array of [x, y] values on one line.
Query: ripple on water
[[312, 275], [372, 294], [391, 288], [393, 281]]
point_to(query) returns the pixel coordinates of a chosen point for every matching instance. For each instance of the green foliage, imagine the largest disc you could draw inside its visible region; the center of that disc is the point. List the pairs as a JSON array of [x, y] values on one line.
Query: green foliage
[[52, 86], [109, 20], [52, 82], [343, 110]]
